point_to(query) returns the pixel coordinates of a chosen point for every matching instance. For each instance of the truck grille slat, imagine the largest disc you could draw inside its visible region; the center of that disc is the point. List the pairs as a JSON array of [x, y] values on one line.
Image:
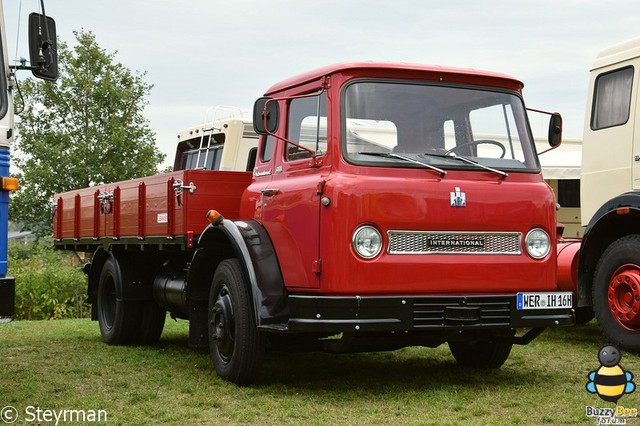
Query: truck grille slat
[[444, 242], [480, 311]]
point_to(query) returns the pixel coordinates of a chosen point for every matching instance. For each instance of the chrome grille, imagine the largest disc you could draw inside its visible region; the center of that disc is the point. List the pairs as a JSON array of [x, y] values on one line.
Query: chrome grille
[[443, 242]]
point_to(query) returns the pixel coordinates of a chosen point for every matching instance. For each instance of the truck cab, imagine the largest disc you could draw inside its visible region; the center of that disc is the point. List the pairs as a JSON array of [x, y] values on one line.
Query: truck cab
[[611, 144], [228, 144], [404, 180], [609, 262]]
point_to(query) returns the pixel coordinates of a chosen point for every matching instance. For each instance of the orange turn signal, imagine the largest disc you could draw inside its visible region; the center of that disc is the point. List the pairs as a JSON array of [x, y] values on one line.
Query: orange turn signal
[[9, 184], [214, 217]]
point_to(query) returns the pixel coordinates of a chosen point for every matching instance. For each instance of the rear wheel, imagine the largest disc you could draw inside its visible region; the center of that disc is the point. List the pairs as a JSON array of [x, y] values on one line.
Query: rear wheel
[[616, 293], [151, 323], [236, 345], [481, 353], [118, 319]]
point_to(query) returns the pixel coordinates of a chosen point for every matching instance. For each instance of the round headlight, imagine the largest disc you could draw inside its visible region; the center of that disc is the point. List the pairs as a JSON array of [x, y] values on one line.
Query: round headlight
[[538, 243], [367, 242]]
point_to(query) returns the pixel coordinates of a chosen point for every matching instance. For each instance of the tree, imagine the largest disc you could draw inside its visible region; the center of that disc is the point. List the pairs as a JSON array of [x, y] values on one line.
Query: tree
[[85, 129]]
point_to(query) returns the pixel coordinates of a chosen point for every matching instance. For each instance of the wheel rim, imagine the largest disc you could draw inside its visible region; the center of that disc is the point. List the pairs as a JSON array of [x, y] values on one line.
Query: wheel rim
[[108, 302], [623, 295], [222, 323]]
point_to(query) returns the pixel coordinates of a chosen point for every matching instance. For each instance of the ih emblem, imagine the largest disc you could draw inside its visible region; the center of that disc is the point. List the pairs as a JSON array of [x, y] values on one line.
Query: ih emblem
[[458, 199]]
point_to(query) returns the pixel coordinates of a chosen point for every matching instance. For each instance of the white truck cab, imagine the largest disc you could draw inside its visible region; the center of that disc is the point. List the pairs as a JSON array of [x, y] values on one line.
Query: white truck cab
[[609, 262], [611, 145], [228, 145]]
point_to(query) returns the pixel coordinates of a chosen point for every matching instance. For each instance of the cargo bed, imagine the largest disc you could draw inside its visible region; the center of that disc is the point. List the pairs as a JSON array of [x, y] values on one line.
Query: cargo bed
[[163, 209]]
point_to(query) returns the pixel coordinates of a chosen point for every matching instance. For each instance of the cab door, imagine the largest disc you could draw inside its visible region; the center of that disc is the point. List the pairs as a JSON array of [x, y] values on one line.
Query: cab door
[[634, 120], [608, 164], [291, 201]]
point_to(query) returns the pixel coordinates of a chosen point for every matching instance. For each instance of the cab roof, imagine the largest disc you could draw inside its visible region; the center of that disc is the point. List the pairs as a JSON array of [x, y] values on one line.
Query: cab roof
[[401, 70], [621, 52]]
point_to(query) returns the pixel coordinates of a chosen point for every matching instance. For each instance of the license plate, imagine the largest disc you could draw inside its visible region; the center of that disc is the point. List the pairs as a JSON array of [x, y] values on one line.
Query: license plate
[[544, 301]]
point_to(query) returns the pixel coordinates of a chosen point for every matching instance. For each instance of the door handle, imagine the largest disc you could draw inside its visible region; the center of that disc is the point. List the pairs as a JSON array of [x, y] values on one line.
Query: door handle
[[270, 192]]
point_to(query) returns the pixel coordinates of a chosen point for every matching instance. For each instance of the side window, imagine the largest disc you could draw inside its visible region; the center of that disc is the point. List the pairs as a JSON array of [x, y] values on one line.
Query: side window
[[251, 159], [208, 159], [268, 145], [612, 99], [206, 154], [307, 126]]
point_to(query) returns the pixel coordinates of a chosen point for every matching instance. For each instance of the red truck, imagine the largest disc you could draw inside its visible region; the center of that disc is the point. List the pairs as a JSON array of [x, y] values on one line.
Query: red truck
[[387, 205]]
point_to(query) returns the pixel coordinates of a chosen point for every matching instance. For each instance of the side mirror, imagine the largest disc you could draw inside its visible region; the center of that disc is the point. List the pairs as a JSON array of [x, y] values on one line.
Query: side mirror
[[555, 130], [264, 125], [43, 49]]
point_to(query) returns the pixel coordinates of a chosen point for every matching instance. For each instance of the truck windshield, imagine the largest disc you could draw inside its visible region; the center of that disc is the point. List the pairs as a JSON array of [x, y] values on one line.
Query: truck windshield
[[434, 123]]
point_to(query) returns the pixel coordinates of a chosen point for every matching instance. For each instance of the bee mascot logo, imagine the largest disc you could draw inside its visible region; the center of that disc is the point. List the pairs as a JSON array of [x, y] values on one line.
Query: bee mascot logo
[[610, 381]]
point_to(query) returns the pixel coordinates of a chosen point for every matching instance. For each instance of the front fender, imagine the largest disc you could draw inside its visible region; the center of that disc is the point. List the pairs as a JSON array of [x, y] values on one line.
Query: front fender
[[249, 242], [616, 218]]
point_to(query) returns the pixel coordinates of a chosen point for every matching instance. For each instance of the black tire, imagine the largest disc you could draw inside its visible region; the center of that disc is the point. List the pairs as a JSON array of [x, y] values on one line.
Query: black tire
[[481, 353], [118, 319], [616, 293], [237, 347], [151, 323]]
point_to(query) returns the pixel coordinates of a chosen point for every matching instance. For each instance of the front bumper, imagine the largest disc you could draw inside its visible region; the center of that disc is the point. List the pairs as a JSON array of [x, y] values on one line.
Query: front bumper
[[7, 296], [339, 314]]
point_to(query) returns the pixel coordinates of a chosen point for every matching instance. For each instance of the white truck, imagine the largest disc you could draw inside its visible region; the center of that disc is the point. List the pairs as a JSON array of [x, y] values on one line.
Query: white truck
[[226, 143], [44, 65], [608, 270]]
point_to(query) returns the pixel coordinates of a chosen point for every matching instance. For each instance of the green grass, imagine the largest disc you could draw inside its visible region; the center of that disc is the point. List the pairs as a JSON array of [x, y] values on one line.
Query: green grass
[[64, 365]]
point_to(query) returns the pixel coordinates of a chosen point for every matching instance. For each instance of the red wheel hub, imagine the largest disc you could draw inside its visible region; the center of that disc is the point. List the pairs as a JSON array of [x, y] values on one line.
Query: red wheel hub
[[624, 296]]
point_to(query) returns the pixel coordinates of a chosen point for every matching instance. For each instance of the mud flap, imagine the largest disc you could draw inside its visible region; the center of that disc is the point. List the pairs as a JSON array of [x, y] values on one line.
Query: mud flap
[[7, 296]]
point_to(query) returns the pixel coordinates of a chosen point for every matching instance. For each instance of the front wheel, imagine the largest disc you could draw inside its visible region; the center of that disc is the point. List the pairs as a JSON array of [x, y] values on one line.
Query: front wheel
[[236, 345], [616, 293], [480, 353]]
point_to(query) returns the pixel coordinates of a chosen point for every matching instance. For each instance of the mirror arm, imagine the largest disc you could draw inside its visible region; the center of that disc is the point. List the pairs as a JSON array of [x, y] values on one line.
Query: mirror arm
[[28, 68], [556, 122], [548, 149], [315, 162]]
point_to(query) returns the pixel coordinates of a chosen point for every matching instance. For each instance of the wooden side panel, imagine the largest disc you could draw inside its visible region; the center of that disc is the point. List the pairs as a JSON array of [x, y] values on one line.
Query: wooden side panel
[[214, 190], [159, 193], [127, 210], [156, 206], [75, 215]]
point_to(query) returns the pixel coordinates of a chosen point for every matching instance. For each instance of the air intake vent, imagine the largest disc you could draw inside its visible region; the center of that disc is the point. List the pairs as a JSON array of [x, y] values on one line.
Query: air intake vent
[[479, 311]]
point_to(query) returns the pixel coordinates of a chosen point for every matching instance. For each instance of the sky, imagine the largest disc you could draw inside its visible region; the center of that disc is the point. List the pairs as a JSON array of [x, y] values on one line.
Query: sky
[[200, 54]]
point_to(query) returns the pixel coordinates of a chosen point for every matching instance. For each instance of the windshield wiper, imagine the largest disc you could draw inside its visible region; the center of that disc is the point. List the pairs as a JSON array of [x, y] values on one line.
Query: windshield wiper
[[407, 159], [469, 161]]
